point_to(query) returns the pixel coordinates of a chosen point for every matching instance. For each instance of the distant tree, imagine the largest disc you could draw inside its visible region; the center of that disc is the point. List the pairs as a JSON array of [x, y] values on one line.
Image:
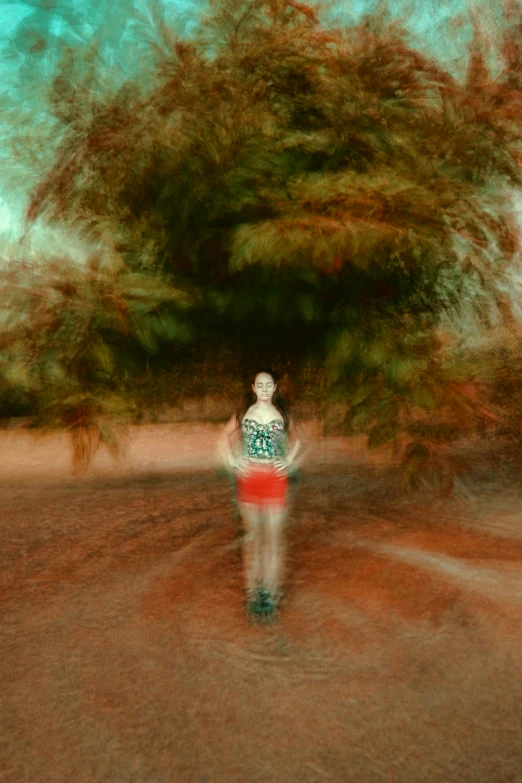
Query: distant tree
[[68, 335]]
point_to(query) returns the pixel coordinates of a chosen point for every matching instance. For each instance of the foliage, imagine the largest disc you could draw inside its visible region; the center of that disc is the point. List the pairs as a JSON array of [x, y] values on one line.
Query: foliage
[[329, 193], [68, 333]]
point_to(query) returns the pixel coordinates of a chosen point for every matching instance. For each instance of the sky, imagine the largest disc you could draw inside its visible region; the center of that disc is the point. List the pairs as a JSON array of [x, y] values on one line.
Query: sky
[[440, 28]]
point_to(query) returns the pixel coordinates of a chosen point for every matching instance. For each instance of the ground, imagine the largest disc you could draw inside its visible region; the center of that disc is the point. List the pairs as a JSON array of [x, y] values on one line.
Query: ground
[[126, 656]]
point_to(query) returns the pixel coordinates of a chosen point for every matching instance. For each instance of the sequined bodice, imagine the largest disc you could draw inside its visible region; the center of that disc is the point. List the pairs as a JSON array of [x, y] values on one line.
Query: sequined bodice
[[263, 441]]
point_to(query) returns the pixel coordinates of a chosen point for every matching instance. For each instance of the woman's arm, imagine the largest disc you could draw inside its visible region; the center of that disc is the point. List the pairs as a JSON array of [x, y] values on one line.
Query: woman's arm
[[298, 445], [224, 442]]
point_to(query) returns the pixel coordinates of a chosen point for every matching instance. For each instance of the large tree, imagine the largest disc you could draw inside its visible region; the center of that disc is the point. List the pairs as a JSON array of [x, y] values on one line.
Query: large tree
[[330, 191]]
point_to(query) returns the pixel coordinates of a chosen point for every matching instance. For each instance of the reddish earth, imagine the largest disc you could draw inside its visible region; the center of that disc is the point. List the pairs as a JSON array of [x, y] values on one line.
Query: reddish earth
[[126, 656]]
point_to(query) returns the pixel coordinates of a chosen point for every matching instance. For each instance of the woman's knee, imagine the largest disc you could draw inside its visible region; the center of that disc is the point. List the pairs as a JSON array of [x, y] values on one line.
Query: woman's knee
[[275, 526], [251, 514], [252, 522], [275, 517]]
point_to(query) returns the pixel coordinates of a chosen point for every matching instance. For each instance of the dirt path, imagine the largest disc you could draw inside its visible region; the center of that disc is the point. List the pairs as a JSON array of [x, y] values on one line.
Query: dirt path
[[126, 657]]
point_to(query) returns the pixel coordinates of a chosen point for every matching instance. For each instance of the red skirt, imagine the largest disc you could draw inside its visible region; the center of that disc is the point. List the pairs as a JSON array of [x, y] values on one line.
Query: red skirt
[[262, 485]]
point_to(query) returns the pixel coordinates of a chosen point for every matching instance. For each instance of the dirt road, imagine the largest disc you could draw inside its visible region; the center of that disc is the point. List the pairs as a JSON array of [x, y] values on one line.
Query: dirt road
[[126, 656]]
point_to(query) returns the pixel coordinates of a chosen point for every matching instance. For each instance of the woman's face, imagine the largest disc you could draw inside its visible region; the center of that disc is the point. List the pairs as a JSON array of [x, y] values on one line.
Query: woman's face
[[264, 387]]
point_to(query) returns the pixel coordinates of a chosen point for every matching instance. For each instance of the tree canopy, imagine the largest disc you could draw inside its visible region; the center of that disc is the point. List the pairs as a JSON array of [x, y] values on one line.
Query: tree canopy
[[325, 193]]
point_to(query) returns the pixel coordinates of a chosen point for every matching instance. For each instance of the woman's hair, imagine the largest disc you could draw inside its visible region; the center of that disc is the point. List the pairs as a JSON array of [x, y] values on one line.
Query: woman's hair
[[277, 400]]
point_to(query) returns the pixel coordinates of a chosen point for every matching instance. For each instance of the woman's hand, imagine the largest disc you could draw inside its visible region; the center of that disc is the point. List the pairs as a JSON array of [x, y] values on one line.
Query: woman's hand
[[241, 465], [281, 466]]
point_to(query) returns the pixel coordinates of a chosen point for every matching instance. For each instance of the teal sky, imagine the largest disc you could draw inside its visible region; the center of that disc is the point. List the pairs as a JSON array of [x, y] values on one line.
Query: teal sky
[[440, 28]]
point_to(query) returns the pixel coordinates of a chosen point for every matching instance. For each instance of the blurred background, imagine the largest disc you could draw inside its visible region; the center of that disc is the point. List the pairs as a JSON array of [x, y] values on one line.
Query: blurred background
[[190, 191]]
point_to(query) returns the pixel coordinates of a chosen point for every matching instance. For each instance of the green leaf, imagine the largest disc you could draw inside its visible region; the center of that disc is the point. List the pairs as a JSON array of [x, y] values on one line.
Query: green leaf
[[103, 356], [307, 307], [362, 393], [375, 356], [142, 331], [362, 417], [423, 396], [402, 370], [382, 434]]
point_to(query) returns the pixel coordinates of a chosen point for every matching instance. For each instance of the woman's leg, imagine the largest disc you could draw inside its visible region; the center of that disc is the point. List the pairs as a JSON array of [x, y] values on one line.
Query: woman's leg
[[274, 548], [252, 545]]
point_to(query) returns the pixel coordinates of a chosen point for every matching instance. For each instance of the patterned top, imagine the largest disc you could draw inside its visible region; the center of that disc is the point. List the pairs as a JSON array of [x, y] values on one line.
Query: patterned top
[[263, 441]]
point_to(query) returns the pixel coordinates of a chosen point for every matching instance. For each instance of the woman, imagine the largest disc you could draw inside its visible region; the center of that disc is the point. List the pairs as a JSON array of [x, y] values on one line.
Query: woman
[[269, 451]]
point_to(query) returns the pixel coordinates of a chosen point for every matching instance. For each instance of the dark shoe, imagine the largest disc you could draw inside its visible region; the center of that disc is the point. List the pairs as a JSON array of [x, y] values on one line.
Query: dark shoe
[[250, 603], [265, 605]]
